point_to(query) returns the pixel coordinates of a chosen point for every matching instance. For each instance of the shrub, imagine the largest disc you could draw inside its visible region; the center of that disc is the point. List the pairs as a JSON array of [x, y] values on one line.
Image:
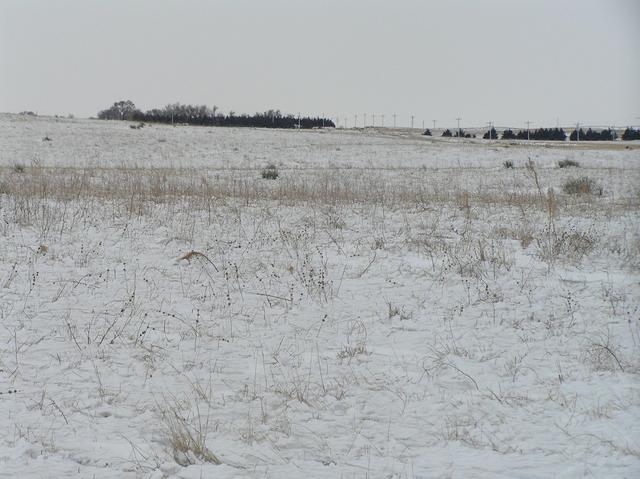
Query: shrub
[[18, 168], [568, 164], [270, 172], [447, 133], [508, 164], [582, 186], [427, 132]]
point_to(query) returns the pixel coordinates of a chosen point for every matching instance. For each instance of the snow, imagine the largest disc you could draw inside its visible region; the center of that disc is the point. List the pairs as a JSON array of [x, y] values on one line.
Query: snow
[[414, 310]]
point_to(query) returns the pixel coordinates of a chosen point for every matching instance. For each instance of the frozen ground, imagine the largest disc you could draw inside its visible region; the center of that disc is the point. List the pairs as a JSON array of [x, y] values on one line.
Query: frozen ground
[[391, 306]]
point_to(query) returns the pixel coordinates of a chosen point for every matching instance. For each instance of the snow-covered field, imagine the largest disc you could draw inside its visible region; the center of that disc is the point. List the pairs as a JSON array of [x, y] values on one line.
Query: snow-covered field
[[391, 306]]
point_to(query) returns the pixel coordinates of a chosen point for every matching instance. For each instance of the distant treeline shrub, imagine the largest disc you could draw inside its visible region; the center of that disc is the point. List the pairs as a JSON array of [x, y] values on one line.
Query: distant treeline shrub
[[491, 134], [592, 135], [461, 134], [558, 134], [548, 134], [508, 135], [631, 134], [177, 113]]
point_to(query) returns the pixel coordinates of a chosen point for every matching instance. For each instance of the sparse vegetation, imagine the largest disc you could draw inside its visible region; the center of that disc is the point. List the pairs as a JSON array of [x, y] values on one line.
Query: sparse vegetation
[[217, 323]]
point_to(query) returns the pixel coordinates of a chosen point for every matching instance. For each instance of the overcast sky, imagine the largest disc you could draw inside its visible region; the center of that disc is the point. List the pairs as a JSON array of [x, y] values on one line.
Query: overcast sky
[[505, 61]]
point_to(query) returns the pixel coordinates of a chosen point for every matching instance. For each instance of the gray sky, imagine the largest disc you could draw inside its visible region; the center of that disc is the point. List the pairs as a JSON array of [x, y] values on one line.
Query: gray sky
[[505, 61]]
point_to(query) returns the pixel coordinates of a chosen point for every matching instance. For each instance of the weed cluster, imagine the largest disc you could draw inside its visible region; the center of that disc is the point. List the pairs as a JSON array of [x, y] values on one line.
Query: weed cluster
[[568, 164], [270, 172], [582, 186]]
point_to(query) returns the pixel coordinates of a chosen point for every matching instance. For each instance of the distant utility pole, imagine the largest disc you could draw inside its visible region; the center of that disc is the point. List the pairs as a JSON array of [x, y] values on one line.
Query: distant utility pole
[[578, 132], [394, 120], [337, 122], [528, 123], [423, 125], [434, 124], [323, 120], [355, 120], [364, 122], [458, 120], [383, 121], [374, 119], [412, 122], [490, 126]]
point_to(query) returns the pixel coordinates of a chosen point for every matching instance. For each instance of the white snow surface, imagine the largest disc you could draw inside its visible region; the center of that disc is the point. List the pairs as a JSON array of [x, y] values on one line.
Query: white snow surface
[[468, 322]]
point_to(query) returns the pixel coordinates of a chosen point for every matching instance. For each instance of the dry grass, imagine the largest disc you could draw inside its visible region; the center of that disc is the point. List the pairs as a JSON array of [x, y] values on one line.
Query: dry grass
[[135, 187], [582, 186], [186, 437]]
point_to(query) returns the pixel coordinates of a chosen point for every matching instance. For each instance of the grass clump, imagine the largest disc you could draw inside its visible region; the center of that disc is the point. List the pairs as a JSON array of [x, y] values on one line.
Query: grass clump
[[186, 441], [568, 164], [270, 172], [582, 186]]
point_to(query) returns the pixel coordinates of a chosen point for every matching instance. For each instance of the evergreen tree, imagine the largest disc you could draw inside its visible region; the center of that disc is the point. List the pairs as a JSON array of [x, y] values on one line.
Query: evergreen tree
[[491, 134], [631, 134], [508, 135]]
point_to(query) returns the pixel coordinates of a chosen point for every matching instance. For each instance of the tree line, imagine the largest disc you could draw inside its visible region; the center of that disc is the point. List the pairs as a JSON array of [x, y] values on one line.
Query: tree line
[[202, 115], [558, 134]]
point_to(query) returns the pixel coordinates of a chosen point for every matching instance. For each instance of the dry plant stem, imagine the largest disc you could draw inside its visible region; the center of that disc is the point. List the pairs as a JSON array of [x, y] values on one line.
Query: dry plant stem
[[613, 355]]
